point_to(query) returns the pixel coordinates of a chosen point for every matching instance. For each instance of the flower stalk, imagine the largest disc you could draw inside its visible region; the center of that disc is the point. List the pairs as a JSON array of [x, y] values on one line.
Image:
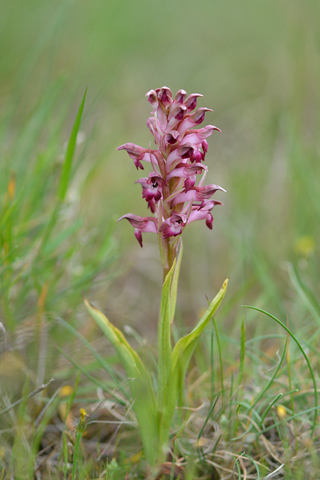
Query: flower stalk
[[176, 196]]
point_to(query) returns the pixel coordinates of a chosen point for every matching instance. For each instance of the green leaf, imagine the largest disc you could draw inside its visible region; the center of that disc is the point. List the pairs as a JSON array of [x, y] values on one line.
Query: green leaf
[[144, 399], [185, 346], [181, 356], [66, 169]]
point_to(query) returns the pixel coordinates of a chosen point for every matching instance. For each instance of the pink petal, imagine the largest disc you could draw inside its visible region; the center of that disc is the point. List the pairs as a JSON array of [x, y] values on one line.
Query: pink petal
[[191, 101], [176, 115], [138, 153], [179, 98], [177, 154], [138, 235], [186, 170], [197, 194], [144, 224], [164, 96], [197, 136], [153, 99], [192, 120]]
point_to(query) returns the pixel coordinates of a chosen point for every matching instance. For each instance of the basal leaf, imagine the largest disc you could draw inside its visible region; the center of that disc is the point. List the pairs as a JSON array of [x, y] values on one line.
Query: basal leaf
[[144, 400], [182, 347], [181, 355]]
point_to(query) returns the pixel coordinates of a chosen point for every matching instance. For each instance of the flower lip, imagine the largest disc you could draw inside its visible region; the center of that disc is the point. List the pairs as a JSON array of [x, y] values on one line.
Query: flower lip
[[174, 225], [144, 224], [171, 137]]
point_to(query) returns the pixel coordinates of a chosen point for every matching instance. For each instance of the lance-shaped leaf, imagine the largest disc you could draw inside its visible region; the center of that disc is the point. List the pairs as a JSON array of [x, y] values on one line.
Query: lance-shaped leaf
[[144, 404], [180, 359], [185, 346]]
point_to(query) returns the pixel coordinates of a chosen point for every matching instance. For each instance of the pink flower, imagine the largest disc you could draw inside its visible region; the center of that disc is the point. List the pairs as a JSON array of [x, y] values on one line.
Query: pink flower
[[171, 189], [141, 224], [197, 194], [138, 154], [174, 225], [151, 189], [203, 212]]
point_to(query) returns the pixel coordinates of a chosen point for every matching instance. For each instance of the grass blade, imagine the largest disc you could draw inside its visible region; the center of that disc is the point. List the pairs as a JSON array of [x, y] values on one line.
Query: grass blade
[[303, 353], [304, 293], [66, 169]]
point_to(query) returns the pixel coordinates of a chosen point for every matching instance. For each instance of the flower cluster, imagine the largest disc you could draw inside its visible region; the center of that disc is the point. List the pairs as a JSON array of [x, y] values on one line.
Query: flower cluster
[[171, 189]]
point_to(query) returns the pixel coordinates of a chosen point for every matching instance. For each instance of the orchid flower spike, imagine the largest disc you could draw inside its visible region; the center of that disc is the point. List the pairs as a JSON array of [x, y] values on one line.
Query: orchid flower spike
[[171, 190]]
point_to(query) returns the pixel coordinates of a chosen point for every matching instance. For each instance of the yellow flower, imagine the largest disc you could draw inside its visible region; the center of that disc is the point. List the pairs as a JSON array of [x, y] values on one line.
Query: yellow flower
[[281, 411], [304, 246], [83, 414], [66, 391]]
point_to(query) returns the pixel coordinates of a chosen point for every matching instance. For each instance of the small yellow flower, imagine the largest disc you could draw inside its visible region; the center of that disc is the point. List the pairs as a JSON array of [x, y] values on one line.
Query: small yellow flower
[[83, 414], [66, 391], [281, 411], [82, 424], [304, 246]]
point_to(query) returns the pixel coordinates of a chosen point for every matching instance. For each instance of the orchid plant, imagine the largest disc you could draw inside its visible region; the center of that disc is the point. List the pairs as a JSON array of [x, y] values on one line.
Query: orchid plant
[[175, 198]]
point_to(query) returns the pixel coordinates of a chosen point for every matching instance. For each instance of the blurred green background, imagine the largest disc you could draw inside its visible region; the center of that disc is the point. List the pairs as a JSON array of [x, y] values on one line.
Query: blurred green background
[[257, 65]]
